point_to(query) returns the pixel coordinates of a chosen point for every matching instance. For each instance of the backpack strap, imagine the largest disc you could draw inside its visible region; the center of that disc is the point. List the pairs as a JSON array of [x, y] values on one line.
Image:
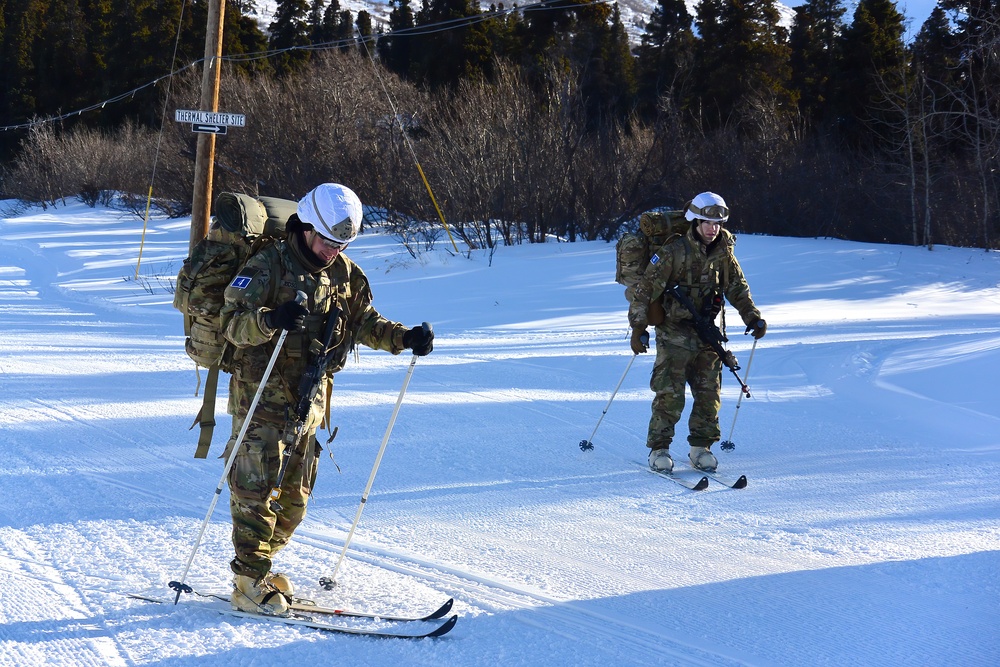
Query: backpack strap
[[206, 416]]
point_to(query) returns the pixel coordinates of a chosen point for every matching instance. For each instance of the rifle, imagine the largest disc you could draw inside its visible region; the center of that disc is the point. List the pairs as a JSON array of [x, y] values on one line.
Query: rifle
[[309, 386], [710, 334]]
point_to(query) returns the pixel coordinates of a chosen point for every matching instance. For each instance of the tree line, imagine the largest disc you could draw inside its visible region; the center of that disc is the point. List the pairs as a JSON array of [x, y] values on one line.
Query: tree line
[[529, 121]]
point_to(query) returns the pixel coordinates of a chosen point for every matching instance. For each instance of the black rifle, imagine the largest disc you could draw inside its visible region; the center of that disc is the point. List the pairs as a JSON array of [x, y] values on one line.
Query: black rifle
[[711, 335], [309, 386]]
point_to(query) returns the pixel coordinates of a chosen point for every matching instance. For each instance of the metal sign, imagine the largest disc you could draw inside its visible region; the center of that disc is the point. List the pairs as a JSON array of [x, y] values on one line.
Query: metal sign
[[208, 129], [210, 118]]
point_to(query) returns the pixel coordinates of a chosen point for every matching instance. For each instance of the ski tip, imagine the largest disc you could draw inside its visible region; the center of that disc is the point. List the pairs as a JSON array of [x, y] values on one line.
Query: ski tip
[[701, 485], [442, 610], [741, 483], [444, 628]]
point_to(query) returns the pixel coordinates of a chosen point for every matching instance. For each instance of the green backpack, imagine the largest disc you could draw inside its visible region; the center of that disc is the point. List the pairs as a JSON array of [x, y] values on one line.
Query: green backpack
[[242, 224], [634, 249]]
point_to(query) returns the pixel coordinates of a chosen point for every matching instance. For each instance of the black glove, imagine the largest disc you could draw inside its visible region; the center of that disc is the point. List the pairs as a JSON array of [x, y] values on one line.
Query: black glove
[[420, 339], [758, 329], [290, 316], [639, 341]]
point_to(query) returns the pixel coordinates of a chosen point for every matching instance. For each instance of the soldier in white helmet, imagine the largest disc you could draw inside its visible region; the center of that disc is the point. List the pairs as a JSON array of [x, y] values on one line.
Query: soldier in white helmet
[[702, 265], [260, 302]]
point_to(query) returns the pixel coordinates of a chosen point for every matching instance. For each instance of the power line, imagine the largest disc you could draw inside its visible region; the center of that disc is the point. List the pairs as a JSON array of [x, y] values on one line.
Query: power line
[[428, 29]]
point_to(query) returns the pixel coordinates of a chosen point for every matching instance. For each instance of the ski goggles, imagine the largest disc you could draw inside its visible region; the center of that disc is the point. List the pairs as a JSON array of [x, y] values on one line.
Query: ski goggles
[[331, 243], [712, 213]]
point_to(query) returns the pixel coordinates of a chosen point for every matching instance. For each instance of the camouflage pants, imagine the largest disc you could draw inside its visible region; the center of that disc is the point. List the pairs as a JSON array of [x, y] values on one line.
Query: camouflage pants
[[676, 366], [259, 531]]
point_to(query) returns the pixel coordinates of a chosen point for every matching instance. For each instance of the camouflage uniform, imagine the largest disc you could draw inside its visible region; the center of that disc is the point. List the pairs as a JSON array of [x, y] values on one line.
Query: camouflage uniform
[[270, 278], [681, 356]]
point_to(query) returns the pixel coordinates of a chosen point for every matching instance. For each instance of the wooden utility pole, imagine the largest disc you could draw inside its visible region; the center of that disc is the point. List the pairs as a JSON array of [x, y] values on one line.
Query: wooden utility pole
[[204, 161]]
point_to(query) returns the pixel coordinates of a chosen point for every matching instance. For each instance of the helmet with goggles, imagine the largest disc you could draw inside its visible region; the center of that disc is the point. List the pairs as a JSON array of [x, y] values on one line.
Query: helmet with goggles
[[707, 206], [334, 211]]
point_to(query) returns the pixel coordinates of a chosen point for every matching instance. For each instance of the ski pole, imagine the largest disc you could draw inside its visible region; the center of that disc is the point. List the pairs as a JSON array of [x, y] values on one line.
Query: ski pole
[[728, 444], [180, 586], [587, 445], [329, 582]]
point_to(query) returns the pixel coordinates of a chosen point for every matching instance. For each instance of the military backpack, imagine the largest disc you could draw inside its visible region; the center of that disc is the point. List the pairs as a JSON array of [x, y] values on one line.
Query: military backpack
[[634, 249], [242, 224]]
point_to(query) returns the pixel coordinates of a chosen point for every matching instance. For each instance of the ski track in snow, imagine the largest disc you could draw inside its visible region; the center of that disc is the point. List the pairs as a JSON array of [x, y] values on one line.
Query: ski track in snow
[[868, 533]]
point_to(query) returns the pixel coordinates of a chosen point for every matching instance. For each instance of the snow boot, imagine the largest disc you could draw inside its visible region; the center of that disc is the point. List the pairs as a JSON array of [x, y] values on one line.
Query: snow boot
[[257, 597], [703, 459], [660, 461], [282, 583]]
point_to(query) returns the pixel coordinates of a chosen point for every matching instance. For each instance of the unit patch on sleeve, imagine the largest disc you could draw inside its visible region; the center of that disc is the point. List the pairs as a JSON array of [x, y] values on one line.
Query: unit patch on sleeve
[[243, 278]]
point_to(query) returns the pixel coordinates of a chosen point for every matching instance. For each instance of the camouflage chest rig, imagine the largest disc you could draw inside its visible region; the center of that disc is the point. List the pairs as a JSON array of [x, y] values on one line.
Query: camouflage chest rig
[[703, 276], [329, 293]]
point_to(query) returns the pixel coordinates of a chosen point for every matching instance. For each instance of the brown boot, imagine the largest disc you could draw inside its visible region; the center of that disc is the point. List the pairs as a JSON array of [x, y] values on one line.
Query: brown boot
[[282, 583], [257, 596], [703, 459], [660, 461]]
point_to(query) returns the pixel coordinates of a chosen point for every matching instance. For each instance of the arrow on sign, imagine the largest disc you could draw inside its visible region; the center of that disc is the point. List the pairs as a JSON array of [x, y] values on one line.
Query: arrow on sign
[[208, 129]]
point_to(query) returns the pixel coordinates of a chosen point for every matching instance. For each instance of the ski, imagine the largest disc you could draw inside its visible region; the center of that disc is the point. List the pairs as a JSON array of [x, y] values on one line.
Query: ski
[[301, 610], [738, 483], [306, 621], [700, 485], [300, 604]]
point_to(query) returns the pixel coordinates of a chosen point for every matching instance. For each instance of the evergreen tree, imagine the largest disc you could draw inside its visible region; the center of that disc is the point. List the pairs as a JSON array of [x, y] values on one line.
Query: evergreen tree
[[344, 34], [977, 34], [742, 59], [143, 34], [395, 51], [936, 74], [24, 22], [620, 67], [289, 32], [545, 23], [61, 57], [503, 31], [666, 54], [816, 30], [365, 32], [445, 57], [601, 55], [315, 21], [3, 69], [241, 35], [330, 24], [872, 59], [935, 50], [98, 16]]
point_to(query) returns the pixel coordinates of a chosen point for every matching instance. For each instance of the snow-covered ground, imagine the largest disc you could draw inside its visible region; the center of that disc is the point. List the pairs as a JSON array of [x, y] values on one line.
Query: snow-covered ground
[[868, 534]]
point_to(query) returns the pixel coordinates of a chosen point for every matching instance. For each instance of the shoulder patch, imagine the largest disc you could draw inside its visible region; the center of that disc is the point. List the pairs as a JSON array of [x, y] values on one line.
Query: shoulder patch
[[655, 259], [243, 278]]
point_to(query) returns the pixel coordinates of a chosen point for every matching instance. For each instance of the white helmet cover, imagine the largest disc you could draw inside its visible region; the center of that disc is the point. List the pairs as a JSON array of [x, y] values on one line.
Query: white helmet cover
[[707, 206], [333, 210]]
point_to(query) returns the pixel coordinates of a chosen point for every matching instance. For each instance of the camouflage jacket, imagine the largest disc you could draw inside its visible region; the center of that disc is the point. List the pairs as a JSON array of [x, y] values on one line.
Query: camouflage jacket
[[702, 271], [272, 277]]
